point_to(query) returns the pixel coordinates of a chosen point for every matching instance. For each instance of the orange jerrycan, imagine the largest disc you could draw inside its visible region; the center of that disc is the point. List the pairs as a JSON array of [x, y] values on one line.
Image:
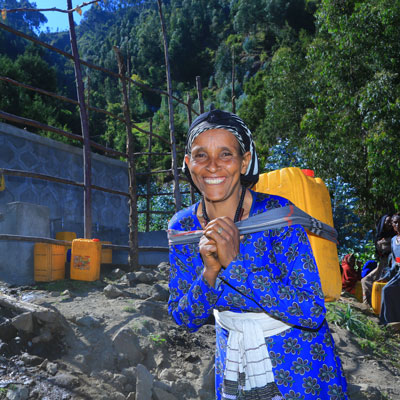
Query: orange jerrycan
[[310, 195], [85, 259]]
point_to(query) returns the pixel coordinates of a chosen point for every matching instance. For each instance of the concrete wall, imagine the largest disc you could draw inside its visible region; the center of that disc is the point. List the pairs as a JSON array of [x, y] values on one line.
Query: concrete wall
[[22, 150]]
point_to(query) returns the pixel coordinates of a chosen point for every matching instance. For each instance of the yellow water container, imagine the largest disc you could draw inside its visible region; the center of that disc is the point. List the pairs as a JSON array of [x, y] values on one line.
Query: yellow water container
[[310, 195], [106, 255], [376, 296], [68, 236], [358, 293], [85, 259], [49, 262]]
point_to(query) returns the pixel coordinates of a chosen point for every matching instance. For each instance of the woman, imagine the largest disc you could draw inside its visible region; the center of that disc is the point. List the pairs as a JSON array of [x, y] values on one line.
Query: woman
[[383, 237], [273, 341], [390, 306], [349, 276]]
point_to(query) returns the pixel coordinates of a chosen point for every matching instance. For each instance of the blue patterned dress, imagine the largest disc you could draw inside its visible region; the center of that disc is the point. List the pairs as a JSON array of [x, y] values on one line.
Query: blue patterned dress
[[274, 270]]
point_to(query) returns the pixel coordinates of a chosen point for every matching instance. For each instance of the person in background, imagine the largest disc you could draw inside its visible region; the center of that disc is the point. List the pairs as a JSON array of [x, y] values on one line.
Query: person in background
[[390, 306], [383, 238], [349, 276], [273, 341]]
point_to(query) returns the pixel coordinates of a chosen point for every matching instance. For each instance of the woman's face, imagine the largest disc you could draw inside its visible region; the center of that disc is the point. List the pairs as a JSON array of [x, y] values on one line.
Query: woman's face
[[396, 224], [215, 164], [388, 223]]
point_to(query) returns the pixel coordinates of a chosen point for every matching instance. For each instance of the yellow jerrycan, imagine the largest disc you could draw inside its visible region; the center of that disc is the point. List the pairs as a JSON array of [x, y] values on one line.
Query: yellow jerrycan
[[310, 195]]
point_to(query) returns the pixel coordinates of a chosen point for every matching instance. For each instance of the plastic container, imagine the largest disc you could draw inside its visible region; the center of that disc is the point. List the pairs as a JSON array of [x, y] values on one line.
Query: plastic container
[[376, 296], [49, 262], [358, 293], [69, 237], [85, 259], [310, 195], [106, 255]]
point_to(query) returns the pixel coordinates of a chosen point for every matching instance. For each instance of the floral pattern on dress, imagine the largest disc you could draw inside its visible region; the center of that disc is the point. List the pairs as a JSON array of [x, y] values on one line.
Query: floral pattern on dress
[[275, 272]]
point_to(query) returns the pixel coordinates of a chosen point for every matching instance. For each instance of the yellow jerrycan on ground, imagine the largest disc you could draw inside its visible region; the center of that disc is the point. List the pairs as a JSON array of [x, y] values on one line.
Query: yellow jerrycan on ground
[[310, 195]]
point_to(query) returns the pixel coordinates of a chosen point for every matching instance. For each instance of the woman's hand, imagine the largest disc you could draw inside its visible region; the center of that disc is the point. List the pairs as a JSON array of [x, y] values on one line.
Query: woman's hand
[[219, 246]]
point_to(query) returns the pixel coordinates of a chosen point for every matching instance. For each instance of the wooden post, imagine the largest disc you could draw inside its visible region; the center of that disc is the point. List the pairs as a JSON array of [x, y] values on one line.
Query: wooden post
[[233, 83], [174, 167], [200, 94], [189, 115], [88, 96], [133, 214], [87, 161], [148, 198]]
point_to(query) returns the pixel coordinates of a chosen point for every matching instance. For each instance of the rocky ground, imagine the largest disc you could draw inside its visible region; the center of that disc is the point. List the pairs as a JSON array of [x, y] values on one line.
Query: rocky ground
[[113, 339]]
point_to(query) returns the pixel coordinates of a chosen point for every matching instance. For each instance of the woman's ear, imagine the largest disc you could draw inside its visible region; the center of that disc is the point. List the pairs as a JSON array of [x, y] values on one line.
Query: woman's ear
[[246, 158], [187, 159]]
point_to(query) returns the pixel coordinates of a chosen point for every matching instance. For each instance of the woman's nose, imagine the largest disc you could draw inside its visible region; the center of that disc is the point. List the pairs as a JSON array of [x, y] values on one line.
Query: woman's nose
[[213, 164]]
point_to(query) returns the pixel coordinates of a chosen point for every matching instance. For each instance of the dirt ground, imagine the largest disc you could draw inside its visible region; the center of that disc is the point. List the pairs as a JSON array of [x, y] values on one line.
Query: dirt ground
[[90, 355]]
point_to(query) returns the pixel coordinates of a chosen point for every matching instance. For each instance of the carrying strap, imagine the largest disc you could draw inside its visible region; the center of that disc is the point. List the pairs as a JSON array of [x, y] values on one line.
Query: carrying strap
[[271, 219]]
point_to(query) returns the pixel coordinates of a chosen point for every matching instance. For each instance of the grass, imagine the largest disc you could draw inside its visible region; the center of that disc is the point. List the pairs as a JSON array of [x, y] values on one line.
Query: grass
[[157, 339], [369, 335]]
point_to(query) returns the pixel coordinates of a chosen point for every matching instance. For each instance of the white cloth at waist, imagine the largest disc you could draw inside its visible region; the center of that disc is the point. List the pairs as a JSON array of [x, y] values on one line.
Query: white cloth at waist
[[246, 350]]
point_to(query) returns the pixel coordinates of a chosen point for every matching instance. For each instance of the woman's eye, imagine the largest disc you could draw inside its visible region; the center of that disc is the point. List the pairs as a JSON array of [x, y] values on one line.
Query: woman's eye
[[198, 156], [226, 154]]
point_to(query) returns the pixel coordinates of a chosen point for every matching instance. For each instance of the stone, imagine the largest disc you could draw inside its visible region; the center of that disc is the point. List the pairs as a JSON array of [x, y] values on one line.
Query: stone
[[131, 396], [152, 309], [45, 337], [7, 331], [23, 322], [51, 368], [117, 273], [18, 392], [112, 292], [159, 293], [30, 359], [160, 394], [130, 373], [144, 277], [65, 380], [130, 277], [126, 342], [119, 379], [88, 321], [207, 376], [162, 385], [168, 375], [118, 396], [144, 383]]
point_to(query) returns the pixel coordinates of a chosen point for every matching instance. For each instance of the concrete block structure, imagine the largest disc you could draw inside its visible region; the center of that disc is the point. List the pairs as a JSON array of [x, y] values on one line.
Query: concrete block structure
[[23, 150]]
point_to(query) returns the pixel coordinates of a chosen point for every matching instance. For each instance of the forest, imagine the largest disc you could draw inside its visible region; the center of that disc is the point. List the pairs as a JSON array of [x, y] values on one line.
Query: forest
[[316, 81]]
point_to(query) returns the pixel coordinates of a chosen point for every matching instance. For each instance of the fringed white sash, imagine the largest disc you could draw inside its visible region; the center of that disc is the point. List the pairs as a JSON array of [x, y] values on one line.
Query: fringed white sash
[[247, 352]]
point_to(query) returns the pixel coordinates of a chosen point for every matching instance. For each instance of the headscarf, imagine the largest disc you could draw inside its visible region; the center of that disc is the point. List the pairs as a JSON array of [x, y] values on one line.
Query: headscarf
[[217, 119]]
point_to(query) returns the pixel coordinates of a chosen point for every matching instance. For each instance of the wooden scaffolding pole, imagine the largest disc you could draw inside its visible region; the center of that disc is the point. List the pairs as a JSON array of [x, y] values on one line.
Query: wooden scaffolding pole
[[133, 214], [200, 94], [148, 186], [174, 167], [87, 162], [189, 115]]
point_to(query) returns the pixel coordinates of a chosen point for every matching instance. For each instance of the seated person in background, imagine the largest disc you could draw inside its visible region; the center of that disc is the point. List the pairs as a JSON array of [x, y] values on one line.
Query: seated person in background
[[350, 276], [390, 307], [384, 234]]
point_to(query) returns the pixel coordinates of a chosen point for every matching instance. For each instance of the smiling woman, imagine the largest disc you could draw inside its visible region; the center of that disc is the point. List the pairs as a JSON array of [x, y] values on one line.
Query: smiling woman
[[273, 341]]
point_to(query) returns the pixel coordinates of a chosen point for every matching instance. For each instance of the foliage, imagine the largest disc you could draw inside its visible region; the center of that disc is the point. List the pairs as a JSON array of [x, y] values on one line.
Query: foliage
[[316, 81]]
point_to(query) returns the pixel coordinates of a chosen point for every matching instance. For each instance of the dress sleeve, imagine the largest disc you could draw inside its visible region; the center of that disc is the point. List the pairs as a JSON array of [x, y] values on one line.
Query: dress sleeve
[[280, 270], [192, 299]]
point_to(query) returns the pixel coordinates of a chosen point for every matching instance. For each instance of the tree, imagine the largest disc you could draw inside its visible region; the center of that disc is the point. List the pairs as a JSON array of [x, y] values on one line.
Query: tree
[[354, 65]]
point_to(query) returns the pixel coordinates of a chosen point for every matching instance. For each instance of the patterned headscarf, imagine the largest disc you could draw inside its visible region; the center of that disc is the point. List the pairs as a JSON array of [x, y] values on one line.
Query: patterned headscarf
[[217, 119]]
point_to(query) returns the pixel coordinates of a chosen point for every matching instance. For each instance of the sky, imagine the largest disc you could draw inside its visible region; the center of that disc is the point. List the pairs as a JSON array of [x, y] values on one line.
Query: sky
[[57, 20]]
